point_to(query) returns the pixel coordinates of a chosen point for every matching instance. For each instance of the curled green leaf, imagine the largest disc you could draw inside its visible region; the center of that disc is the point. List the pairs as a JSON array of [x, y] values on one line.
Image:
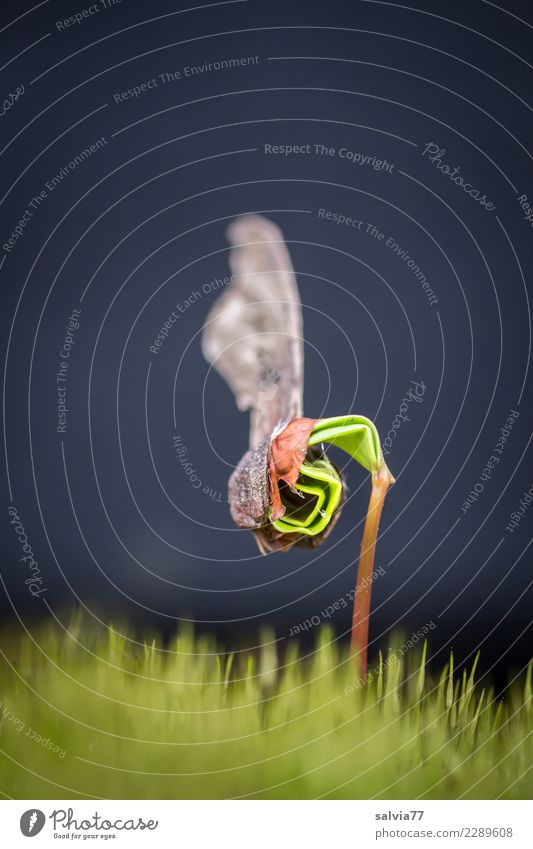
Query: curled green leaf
[[356, 435], [318, 493], [310, 506]]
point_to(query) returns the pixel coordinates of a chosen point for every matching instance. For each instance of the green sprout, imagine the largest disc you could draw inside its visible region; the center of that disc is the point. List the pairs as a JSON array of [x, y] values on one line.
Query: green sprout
[[285, 489], [358, 437]]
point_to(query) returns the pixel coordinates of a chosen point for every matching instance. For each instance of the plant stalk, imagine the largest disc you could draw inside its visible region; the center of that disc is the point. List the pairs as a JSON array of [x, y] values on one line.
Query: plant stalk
[[381, 481]]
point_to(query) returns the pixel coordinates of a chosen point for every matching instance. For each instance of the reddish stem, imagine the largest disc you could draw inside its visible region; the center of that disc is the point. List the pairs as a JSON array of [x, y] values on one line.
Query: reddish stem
[[381, 480]]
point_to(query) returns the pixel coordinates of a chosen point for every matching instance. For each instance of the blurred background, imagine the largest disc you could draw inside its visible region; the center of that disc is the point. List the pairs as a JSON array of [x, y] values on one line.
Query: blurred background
[[132, 135]]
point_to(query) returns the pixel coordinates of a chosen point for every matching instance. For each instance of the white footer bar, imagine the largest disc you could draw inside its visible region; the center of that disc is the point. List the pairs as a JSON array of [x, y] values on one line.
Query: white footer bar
[[268, 824]]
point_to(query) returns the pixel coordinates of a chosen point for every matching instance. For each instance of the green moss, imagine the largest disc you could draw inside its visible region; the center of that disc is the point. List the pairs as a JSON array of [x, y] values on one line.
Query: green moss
[[136, 720]]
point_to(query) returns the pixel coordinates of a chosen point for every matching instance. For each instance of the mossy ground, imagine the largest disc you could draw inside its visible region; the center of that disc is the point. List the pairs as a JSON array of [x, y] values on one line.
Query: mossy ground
[[139, 720]]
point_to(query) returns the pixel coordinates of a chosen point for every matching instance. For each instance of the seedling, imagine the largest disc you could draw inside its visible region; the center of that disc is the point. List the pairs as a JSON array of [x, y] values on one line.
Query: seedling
[[286, 489]]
